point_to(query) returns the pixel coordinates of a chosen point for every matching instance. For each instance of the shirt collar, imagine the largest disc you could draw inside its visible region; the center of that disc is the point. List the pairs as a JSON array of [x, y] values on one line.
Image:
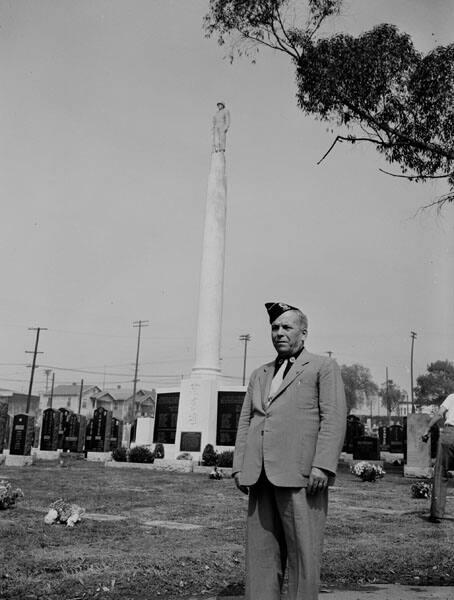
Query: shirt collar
[[280, 359]]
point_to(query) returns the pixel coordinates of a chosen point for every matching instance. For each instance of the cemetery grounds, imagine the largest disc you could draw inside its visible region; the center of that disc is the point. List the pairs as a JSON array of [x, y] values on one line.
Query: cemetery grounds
[[152, 534]]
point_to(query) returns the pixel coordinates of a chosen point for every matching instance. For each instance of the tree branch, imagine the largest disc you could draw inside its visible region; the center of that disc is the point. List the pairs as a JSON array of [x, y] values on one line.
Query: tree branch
[[248, 36], [297, 55], [416, 176], [352, 140], [412, 142]]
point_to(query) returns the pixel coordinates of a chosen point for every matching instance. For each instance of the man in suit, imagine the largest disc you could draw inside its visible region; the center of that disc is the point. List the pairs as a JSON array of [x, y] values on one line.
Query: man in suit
[[290, 434]]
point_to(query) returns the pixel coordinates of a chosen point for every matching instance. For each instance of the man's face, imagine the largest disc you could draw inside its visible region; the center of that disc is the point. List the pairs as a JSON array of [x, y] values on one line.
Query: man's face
[[287, 334]]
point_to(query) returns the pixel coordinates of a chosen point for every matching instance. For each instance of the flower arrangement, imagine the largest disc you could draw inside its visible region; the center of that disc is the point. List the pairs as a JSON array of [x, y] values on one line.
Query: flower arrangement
[[367, 471], [8, 496], [64, 512], [421, 489], [216, 474]]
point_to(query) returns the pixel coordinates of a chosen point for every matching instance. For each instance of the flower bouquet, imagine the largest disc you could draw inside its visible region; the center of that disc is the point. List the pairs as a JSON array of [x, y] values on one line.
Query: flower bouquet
[[421, 489], [64, 512], [216, 474], [8, 496], [367, 471]]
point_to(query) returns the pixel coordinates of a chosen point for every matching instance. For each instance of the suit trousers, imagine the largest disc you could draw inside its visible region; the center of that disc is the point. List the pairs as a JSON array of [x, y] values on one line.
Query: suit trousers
[[443, 463], [284, 525]]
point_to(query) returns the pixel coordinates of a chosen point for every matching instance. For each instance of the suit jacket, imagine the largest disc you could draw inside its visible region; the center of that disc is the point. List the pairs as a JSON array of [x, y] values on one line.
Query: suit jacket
[[302, 427]]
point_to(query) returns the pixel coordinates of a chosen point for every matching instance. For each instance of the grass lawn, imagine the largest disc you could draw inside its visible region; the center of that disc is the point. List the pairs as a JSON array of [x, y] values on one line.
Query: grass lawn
[[376, 533]]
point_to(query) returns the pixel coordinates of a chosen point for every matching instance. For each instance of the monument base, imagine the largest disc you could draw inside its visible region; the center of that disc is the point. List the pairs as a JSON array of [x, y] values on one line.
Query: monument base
[[46, 454], [99, 456], [207, 413], [196, 424], [418, 472], [19, 460]]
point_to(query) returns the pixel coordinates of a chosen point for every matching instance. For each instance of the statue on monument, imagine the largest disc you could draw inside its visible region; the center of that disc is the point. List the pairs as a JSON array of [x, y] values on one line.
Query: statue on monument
[[221, 124]]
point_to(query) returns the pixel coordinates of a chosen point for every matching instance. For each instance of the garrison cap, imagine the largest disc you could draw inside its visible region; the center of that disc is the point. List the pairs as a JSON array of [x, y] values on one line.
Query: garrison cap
[[275, 309]]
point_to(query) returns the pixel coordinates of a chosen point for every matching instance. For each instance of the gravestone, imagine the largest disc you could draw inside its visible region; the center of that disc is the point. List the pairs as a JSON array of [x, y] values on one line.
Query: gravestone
[[89, 436], [4, 418], [418, 458], [74, 434], [116, 434], [191, 441], [366, 447], [36, 436], [355, 429], [102, 424], [50, 429], [64, 414], [383, 437], [23, 431], [395, 437]]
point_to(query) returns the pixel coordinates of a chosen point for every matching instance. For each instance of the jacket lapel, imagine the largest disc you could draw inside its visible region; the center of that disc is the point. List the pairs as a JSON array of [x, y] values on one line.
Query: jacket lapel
[[265, 378]]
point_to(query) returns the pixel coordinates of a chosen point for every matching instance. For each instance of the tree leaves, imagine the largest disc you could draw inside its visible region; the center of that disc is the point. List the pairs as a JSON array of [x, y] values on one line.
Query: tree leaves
[[376, 85], [433, 387]]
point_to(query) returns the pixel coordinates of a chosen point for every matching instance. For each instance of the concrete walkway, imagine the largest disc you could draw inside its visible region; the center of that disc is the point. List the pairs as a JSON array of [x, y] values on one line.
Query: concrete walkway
[[371, 592]]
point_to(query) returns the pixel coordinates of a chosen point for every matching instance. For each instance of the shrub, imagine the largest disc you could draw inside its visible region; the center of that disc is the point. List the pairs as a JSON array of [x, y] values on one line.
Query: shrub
[[159, 450], [120, 454], [184, 456], [209, 456], [141, 454], [225, 459]]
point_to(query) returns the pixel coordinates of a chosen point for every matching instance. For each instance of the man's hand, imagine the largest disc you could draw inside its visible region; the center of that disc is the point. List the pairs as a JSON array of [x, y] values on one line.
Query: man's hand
[[242, 488], [318, 480], [425, 437]]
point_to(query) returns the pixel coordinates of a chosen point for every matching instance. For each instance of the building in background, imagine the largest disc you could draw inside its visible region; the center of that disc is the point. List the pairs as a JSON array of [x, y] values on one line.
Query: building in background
[[67, 396], [17, 402]]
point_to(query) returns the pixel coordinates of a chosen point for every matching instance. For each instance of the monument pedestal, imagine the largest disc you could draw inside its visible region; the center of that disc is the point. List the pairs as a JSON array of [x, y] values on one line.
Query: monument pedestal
[[47, 454], [197, 413], [99, 456], [19, 460]]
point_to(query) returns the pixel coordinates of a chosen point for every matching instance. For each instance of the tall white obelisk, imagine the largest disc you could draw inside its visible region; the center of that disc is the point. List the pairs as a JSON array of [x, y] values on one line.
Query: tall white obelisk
[[209, 324], [197, 410]]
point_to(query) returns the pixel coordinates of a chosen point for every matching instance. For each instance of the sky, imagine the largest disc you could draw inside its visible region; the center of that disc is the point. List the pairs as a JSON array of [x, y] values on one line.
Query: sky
[[106, 109]]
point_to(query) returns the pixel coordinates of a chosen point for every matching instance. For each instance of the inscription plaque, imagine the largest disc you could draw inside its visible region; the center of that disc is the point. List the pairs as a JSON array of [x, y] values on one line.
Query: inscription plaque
[[190, 441]]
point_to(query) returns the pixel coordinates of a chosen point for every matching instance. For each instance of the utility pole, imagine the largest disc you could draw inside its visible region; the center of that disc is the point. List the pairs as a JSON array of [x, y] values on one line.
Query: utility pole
[[413, 337], [80, 395], [52, 391], [138, 324], [245, 338], [34, 352], [388, 408]]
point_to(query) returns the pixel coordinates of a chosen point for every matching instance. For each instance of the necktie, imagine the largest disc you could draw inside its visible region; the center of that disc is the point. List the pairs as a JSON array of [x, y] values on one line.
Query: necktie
[[277, 380]]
